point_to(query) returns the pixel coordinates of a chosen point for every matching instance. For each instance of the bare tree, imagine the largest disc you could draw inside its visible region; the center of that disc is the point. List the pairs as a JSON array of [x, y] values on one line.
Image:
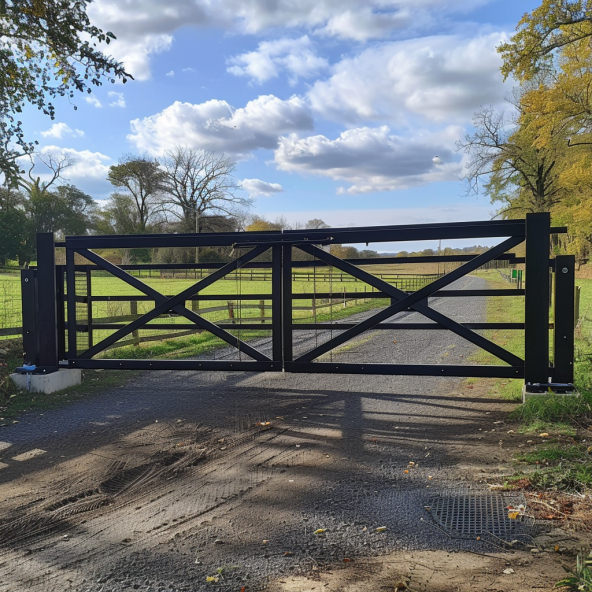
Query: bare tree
[[56, 162], [199, 181], [516, 172]]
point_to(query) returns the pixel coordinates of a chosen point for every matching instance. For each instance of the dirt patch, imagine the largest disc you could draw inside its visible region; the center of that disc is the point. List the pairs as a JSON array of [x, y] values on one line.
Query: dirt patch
[[219, 481]]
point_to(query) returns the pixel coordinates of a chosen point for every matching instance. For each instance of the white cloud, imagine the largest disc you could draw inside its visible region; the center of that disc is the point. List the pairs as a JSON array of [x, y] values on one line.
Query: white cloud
[[373, 159], [92, 100], [296, 56], [191, 70], [59, 130], [145, 27], [444, 78], [216, 125], [256, 187], [363, 24], [170, 74], [118, 99]]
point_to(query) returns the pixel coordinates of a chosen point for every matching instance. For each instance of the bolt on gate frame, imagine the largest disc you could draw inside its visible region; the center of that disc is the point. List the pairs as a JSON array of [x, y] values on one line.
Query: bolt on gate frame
[[51, 330]]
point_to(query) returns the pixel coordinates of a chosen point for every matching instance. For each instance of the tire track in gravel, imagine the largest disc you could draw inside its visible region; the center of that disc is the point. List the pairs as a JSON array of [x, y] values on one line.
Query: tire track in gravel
[[328, 430], [138, 486]]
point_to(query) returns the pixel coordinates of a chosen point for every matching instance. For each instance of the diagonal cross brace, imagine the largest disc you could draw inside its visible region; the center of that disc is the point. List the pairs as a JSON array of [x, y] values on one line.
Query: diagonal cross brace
[[164, 304], [413, 301]]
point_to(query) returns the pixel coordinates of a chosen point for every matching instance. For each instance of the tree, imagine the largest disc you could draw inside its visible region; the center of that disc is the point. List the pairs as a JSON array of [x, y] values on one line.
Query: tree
[[143, 180], [259, 224], [197, 182], [13, 233], [521, 175], [316, 223], [553, 25], [48, 49], [344, 252]]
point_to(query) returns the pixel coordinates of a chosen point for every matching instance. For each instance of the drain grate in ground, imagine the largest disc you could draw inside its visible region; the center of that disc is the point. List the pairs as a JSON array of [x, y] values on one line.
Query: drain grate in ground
[[480, 514]]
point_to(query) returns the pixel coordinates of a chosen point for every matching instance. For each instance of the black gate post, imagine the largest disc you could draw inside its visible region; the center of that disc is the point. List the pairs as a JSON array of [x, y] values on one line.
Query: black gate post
[[563, 345], [276, 303], [287, 302], [46, 301], [536, 318], [29, 310]]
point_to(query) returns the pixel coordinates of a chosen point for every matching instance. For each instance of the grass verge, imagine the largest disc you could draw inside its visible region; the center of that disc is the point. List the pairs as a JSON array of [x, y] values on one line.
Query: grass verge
[[563, 460]]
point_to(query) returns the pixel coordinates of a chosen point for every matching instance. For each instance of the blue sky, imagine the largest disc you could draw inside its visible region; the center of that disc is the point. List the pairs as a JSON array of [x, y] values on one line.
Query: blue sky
[[332, 109]]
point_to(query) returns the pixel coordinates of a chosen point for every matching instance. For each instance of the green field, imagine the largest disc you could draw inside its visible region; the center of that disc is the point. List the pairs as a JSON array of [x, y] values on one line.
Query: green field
[[229, 309]]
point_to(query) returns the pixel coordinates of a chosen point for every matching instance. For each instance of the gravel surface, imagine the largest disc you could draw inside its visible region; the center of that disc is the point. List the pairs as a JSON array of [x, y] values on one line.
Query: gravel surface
[[197, 481]]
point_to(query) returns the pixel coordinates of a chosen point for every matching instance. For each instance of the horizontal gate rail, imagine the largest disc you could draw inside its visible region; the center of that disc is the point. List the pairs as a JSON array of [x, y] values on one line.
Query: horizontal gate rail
[[305, 296]]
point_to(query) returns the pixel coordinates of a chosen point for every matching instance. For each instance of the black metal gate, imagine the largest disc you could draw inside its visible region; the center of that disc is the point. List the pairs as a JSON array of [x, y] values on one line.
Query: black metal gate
[[59, 329]]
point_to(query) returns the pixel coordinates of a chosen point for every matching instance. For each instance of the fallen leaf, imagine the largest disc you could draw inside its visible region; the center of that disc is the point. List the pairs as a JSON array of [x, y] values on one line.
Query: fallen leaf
[[406, 471], [346, 560], [544, 435], [509, 571], [320, 531], [288, 554], [212, 579], [381, 529]]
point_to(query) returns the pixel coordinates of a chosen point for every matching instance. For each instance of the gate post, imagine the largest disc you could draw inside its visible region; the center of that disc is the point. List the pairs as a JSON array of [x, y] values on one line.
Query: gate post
[[563, 343], [47, 305], [287, 302], [536, 318], [29, 311]]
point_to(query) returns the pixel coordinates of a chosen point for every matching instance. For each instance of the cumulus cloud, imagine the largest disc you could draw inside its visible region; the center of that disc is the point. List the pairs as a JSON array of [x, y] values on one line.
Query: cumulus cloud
[[170, 74], [256, 187], [363, 24], [145, 27], [118, 99], [92, 100], [216, 125], [59, 130], [295, 56], [373, 159], [440, 78], [191, 70]]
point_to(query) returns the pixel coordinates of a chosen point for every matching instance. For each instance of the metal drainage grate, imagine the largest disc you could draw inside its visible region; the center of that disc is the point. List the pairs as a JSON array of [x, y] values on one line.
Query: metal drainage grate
[[468, 516]]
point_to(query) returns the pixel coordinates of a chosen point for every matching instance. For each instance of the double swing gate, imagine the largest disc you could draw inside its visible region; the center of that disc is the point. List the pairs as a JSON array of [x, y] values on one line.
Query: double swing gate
[[60, 302]]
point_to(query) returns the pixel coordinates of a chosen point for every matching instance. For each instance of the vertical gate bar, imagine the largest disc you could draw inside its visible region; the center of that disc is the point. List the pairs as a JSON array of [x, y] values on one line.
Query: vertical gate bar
[[563, 344], [71, 303], [47, 306], [276, 303], [287, 303], [89, 307], [536, 318], [29, 312], [61, 318]]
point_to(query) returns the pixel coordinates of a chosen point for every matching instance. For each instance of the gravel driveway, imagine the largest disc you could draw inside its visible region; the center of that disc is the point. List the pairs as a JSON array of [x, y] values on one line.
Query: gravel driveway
[[225, 481]]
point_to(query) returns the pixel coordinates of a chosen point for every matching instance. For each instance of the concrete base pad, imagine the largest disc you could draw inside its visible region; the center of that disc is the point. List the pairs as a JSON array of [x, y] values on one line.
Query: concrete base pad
[[49, 383], [526, 396]]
